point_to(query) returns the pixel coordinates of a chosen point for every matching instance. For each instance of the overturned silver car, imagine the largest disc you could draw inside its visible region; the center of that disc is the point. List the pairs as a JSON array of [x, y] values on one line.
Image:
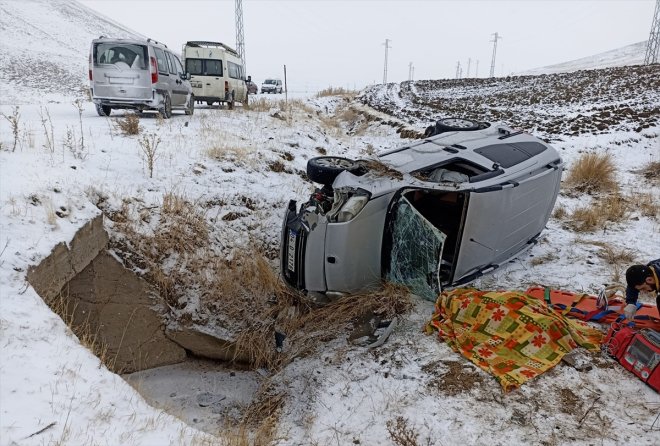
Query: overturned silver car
[[435, 213]]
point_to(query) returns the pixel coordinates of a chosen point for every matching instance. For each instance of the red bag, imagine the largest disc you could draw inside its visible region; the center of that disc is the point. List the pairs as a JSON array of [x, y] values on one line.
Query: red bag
[[636, 351], [618, 338]]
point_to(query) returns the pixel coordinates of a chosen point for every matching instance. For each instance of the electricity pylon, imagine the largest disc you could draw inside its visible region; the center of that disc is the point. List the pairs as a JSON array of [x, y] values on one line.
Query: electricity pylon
[[654, 38], [387, 46], [492, 63], [240, 40]]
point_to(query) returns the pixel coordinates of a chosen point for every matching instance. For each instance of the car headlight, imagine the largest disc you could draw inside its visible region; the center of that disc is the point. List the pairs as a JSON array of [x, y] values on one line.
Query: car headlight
[[349, 210]]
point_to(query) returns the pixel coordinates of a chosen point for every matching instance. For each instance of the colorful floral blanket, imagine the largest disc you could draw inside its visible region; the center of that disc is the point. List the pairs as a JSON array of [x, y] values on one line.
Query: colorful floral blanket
[[509, 334]]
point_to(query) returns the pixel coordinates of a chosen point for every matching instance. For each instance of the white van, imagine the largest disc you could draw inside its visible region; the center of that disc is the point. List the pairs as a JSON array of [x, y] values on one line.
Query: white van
[[139, 75], [217, 73]]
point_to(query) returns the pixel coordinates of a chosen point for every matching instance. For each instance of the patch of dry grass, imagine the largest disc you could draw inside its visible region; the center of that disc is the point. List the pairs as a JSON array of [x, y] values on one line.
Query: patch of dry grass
[[129, 125], [335, 91], [647, 204], [616, 258], [560, 212], [592, 173], [224, 151], [611, 208], [651, 171]]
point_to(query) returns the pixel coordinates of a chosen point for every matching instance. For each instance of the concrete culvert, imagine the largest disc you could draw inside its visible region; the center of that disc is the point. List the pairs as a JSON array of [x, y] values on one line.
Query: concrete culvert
[[120, 317]]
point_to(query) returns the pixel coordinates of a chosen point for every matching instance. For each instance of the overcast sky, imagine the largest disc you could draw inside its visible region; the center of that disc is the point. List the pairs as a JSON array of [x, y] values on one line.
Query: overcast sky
[[341, 43]]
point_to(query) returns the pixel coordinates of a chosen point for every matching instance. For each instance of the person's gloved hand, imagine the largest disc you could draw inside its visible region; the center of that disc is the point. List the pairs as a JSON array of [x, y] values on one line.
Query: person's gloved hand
[[630, 310]]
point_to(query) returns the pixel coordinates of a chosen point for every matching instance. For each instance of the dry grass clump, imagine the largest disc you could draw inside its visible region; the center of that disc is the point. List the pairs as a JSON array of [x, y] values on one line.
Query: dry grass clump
[[651, 171], [592, 173], [560, 212], [259, 105], [130, 124], [612, 208], [224, 151], [335, 91], [401, 433], [81, 327], [647, 204], [617, 258]]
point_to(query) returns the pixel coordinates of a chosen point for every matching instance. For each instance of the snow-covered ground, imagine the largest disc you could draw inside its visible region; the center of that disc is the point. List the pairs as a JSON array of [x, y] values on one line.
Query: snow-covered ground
[[53, 390]]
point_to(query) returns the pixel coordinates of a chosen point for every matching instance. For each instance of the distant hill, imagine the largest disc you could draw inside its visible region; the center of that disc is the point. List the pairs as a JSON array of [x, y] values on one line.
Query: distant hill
[[58, 62], [627, 55]]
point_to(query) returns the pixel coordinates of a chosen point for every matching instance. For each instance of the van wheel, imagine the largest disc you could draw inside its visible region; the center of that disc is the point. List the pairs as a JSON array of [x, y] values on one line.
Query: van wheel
[[324, 169], [191, 106], [103, 110], [456, 124], [166, 110]]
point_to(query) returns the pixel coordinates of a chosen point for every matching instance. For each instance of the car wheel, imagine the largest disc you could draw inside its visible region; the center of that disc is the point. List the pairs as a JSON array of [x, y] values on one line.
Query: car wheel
[[166, 109], [456, 124], [191, 105], [103, 110], [324, 169]]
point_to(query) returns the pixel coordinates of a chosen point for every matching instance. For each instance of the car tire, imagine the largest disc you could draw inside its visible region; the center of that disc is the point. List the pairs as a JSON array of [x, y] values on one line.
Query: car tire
[[456, 124], [191, 106], [103, 110], [324, 169], [166, 109]]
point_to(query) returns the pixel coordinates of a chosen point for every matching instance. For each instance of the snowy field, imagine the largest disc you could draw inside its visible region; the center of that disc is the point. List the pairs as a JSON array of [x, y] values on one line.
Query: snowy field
[[64, 165]]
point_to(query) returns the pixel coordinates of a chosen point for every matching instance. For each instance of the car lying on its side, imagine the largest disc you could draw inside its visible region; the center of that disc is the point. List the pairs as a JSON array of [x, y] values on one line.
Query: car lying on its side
[[138, 75], [432, 214]]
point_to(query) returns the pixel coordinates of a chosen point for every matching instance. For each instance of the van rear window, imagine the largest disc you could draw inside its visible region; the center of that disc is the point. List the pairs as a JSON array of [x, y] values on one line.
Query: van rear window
[[204, 67], [135, 56]]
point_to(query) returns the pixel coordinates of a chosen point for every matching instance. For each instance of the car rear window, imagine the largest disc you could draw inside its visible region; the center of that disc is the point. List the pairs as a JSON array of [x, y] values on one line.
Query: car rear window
[[204, 67], [133, 55], [507, 155]]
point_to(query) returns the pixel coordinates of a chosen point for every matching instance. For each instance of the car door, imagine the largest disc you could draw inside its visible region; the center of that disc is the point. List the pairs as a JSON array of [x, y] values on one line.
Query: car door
[[178, 91], [412, 247]]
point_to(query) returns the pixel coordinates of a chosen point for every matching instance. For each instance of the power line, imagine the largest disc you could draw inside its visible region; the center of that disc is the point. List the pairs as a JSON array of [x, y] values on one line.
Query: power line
[[496, 36], [653, 44], [387, 46]]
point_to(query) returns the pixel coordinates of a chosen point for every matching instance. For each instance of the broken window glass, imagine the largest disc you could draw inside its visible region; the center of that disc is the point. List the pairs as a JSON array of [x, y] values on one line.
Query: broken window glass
[[416, 252]]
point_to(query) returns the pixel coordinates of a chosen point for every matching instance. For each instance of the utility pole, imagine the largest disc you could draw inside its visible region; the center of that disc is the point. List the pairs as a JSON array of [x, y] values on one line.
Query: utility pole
[[387, 46], [410, 71], [240, 41], [476, 71], [468, 70], [492, 64], [412, 76], [458, 69], [653, 46]]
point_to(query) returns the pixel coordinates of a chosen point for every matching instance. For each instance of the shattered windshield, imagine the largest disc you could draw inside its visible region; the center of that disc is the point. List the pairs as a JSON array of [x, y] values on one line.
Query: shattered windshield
[[416, 252]]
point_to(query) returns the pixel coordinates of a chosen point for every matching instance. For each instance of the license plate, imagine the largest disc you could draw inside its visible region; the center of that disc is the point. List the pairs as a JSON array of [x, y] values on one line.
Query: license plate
[[291, 252]]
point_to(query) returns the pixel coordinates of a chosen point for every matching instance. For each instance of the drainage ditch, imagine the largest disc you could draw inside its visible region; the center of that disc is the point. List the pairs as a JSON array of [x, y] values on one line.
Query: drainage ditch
[[120, 317]]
